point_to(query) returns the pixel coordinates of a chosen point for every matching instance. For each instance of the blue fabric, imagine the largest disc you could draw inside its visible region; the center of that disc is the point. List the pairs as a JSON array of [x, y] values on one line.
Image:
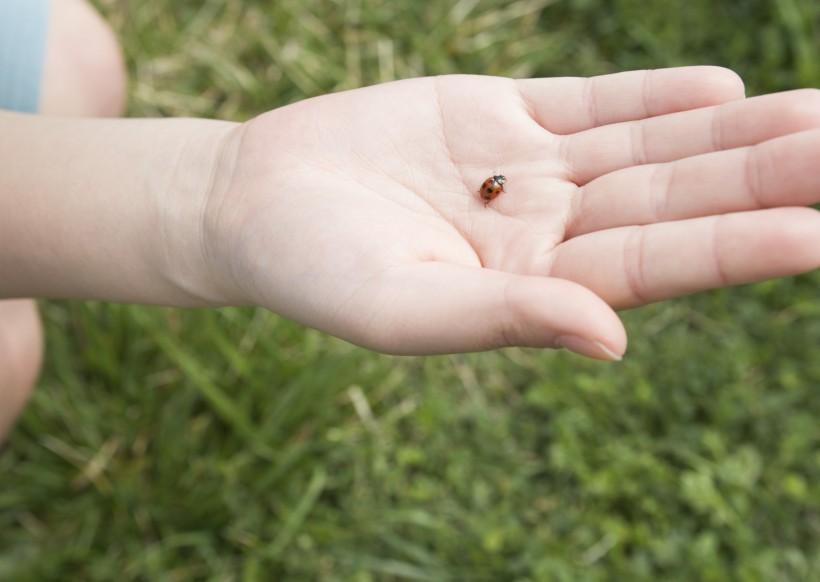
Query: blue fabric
[[23, 30]]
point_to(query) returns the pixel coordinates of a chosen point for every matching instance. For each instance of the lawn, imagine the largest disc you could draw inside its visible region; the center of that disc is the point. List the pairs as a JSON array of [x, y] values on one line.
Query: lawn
[[232, 444]]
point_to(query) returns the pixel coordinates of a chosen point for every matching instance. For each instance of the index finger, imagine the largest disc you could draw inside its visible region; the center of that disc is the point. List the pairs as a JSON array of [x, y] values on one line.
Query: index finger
[[634, 265]]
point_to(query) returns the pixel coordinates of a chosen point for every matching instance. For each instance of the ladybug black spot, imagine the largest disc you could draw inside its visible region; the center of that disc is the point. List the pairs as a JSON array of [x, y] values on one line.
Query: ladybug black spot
[[489, 190]]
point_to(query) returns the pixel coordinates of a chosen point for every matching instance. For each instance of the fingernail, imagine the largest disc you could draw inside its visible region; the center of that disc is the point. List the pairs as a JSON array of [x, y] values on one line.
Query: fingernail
[[585, 347]]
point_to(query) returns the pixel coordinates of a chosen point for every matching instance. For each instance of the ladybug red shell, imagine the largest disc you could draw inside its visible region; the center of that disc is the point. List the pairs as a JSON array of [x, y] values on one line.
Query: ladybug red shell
[[491, 188]]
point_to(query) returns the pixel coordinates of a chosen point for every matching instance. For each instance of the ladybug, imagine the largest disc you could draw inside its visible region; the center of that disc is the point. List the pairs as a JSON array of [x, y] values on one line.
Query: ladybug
[[491, 188]]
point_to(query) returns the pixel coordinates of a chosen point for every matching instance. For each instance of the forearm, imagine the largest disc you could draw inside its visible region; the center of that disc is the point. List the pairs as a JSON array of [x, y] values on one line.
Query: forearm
[[108, 209]]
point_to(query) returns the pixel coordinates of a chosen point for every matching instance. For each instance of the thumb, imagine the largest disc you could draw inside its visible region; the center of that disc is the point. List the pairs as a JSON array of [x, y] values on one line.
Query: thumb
[[433, 308]]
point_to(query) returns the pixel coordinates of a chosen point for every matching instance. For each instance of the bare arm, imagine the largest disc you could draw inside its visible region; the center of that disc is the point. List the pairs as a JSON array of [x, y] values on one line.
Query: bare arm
[[107, 209], [358, 214]]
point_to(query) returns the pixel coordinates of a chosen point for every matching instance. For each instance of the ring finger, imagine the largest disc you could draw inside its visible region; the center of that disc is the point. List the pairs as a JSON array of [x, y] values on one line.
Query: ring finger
[[779, 172], [599, 151]]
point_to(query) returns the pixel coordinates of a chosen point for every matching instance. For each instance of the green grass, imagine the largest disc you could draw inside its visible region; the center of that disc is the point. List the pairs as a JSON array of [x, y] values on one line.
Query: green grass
[[234, 445]]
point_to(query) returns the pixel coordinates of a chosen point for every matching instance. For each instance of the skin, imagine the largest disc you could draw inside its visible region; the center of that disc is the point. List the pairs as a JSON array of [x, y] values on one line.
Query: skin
[[357, 214], [83, 75], [362, 219]]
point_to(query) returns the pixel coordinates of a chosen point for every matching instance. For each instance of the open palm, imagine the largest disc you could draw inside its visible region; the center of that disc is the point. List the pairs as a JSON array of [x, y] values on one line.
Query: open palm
[[358, 213]]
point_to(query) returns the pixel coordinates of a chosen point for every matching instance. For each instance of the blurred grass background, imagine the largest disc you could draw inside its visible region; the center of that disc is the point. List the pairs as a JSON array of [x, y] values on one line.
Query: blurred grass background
[[234, 445]]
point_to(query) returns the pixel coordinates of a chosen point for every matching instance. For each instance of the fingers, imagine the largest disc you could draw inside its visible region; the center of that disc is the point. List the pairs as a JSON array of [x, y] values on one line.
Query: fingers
[[779, 172], [569, 105], [433, 308], [596, 152], [631, 266]]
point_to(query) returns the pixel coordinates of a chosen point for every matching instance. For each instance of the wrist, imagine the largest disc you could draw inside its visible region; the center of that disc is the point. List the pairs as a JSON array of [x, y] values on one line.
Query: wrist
[[191, 252], [109, 209]]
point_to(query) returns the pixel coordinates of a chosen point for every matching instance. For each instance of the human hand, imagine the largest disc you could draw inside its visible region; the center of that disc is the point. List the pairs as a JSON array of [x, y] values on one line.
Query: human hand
[[358, 214]]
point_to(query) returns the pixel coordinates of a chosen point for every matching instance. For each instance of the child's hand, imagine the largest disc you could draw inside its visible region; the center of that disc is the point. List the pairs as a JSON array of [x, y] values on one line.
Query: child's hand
[[359, 214]]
